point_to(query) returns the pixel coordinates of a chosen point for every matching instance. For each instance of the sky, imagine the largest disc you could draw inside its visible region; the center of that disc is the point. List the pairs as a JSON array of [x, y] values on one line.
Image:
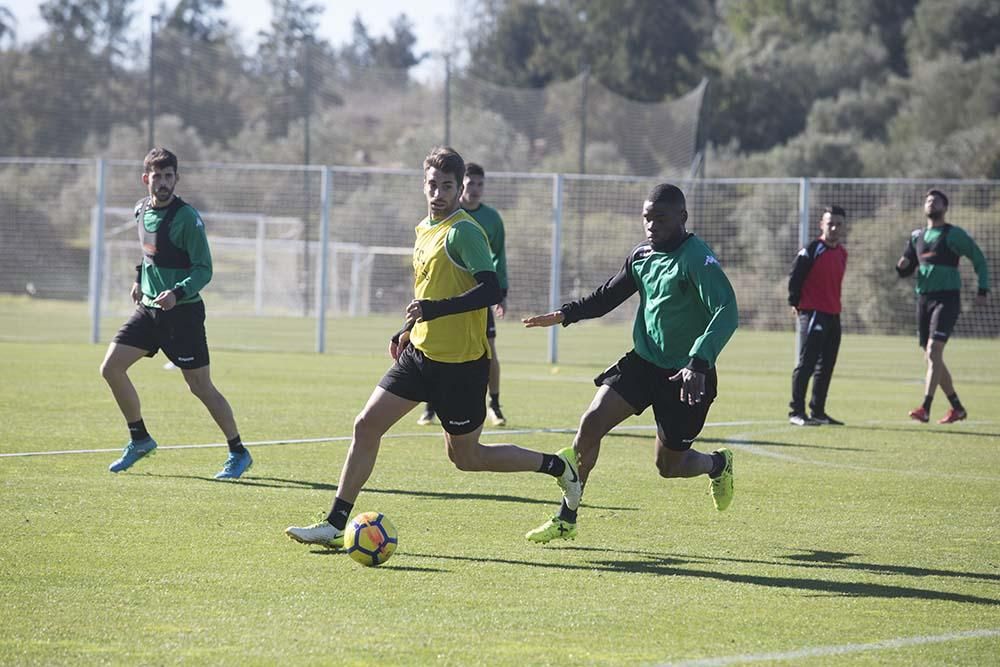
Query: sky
[[430, 18]]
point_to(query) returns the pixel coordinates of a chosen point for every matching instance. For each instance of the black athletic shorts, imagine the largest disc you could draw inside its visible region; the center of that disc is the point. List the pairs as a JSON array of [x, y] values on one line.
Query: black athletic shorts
[[491, 324], [937, 313], [179, 332], [457, 391], [643, 384]]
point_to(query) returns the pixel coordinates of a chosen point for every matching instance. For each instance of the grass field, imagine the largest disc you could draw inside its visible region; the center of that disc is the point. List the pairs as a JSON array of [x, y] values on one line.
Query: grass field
[[873, 543]]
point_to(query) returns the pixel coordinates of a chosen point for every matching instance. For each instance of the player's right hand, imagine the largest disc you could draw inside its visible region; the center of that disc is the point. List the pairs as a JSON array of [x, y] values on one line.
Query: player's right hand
[[546, 320], [136, 293]]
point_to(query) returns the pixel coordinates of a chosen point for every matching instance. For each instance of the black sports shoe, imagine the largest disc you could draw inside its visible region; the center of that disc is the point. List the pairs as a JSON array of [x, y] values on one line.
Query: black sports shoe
[[823, 418]]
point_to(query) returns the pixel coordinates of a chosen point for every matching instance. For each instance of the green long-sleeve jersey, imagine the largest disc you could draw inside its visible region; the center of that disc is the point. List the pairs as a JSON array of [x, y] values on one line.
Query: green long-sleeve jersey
[[489, 219], [687, 308], [187, 235], [934, 253]]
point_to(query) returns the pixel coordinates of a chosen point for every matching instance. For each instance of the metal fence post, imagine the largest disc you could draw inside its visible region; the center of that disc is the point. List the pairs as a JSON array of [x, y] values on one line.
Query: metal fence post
[[803, 242], [555, 270], [97, 256], [325, 191]]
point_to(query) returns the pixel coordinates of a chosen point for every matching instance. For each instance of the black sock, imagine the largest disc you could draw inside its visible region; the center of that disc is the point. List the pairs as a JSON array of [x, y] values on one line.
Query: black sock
[[236, 445], [495, 400], [137, 431], [955, 403], [718, 464], [927, 403], [339, 514], [566, 514], [552, 465]]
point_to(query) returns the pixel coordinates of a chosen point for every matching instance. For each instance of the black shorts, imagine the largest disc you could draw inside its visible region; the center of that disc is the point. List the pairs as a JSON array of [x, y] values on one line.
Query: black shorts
[[179, 332], [643, 384], [937, 313], [491, 324], [457, 391]]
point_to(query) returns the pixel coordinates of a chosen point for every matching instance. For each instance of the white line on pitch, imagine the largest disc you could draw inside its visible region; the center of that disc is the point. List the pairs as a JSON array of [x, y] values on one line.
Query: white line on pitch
[[347, 438], [842, 649]]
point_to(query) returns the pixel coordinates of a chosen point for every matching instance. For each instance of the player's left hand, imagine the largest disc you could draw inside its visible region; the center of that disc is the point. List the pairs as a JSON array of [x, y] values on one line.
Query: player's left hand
[[500, 309], [414, 312], [397, 346], [692, 385], [546, 320], [166, 300], [980, 300]]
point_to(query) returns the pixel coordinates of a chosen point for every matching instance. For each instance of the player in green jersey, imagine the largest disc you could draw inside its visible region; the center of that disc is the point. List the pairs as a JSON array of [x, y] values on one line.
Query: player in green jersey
[[170, 314], [687, 313], [440, 359], [933, 252], [489, 219]]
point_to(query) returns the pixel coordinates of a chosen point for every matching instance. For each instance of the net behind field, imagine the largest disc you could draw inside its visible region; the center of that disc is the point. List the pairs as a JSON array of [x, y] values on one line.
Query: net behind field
[[265, 224]]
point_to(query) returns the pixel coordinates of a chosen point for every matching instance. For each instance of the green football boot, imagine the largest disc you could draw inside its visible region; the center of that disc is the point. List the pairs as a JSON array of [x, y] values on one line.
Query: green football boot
[[553, 529]]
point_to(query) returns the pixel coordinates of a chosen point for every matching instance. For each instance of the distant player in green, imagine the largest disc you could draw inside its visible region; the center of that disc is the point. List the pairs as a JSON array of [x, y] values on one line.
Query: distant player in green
[[170, 314], [489, 219], [687, 313], [933, 252], [441, 356]]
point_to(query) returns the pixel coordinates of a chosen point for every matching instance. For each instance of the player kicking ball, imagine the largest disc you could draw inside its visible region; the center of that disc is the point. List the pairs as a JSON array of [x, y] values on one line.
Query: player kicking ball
[[687, 313]]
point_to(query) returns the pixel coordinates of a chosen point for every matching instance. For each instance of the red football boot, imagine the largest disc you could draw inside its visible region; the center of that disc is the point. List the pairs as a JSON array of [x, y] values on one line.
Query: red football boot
[[920, 415], [953, 415]]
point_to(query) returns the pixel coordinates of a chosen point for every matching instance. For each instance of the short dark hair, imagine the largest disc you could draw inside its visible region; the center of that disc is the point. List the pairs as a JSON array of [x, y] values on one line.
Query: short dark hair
[[939, 194], [473, 169], [447, 160], [159, 158], [835, 210], [668, 194]]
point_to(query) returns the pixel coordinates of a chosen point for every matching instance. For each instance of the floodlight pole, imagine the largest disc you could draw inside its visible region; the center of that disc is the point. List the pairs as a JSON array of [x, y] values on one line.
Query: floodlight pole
[[151, 83], [447, 99]]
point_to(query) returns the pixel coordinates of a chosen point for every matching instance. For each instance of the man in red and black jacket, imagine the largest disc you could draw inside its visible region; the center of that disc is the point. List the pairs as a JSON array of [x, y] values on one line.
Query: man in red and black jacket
[[814, 292]]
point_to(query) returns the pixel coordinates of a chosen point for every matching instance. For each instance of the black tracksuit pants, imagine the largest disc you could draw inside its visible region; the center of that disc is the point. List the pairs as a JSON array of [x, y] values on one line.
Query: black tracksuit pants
[[819, 342]]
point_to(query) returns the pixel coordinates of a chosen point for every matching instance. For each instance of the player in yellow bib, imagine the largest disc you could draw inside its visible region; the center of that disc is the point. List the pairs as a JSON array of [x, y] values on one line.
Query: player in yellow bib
[[441, 356]]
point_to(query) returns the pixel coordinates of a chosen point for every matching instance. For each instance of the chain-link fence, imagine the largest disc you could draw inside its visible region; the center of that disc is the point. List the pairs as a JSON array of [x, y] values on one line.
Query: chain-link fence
[[67, 236]]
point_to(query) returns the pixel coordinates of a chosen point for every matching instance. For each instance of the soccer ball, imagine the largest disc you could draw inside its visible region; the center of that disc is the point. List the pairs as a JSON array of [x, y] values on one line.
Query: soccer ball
[[371, 538]]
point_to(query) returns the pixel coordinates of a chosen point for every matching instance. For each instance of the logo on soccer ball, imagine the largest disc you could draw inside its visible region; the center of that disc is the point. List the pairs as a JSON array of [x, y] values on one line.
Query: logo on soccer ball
[[371, 538]]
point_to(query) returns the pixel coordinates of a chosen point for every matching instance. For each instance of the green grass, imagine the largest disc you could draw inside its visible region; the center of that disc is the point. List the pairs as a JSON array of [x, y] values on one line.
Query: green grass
[[880, 530]]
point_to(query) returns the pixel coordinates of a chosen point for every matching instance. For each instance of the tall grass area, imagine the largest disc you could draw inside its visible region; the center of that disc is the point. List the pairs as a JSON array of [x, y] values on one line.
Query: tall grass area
[[875, 542]]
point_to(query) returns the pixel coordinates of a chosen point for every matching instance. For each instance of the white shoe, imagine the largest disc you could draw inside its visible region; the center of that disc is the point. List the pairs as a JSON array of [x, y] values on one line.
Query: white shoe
[[322, 533], [570, 482], [801, 420], [496, 416], [427, 418]]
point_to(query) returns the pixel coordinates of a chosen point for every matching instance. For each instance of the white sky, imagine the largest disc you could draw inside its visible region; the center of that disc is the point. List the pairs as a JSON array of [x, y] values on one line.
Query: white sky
[[430, 19]]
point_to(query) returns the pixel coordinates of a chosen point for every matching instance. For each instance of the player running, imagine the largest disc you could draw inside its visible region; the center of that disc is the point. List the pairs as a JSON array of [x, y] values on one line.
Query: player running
[[687, 313]]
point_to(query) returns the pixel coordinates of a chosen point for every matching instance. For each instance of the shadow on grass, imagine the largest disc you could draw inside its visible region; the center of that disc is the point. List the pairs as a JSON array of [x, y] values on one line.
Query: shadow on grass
[[672, 566], [281, 483], [929, 429], [394, 566], [775, 443]]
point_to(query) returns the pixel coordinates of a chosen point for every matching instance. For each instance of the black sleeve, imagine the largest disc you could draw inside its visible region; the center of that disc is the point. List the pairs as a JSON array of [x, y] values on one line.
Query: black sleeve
[[800, 269], [910, 255], [605, 298], [485, 294]]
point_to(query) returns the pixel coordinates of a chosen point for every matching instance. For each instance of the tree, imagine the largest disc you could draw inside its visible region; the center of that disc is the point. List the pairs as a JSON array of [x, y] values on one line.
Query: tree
[[199, 73], [8, 25], [284, 63], [968, 28]]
